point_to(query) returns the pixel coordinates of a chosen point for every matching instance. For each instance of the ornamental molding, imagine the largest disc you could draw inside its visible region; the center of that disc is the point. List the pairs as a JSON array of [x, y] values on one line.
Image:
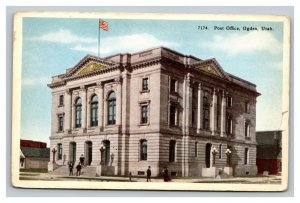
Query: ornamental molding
[[211, 67]]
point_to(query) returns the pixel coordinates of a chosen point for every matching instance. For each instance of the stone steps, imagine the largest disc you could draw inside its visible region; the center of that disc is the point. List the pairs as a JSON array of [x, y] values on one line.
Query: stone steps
[[89, 171]]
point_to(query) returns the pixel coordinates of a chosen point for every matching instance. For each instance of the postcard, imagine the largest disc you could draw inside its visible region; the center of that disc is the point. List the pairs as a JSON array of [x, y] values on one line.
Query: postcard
[[150, 101]]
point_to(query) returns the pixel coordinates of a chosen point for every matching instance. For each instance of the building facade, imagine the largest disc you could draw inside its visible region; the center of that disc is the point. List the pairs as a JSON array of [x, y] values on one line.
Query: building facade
[[34, 154], [155, 108], [269, 150]]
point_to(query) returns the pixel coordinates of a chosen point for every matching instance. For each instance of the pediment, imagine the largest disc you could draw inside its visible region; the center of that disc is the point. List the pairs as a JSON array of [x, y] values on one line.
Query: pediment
[[210, 70], [88, 65], [91, 67], [211, 67]]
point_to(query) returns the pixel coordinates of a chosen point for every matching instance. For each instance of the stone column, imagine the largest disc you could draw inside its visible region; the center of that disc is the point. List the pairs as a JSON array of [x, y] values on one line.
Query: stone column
[[84, 104], [68, 115], [186, 156], [183, 105], [200, 109], [125, 101], [100, 105], [223, 115], [119, 102], [88, 110], [188, 105], [213, 120], [72, 113]]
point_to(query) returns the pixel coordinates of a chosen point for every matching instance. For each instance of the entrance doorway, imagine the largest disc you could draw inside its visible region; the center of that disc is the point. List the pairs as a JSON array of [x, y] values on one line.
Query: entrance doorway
[[72, 152], [88, 152], [106, 144], [207, 155]]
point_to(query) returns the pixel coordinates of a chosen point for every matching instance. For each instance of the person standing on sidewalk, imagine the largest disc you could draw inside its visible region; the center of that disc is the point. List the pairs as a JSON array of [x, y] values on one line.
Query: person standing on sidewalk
[[166, 175], [81, 159], [71, 168], [149, 174], [78, 168]]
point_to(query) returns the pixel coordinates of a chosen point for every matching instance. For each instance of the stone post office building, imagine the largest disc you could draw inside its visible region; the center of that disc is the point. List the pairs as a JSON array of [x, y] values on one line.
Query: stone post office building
[[157, 108]]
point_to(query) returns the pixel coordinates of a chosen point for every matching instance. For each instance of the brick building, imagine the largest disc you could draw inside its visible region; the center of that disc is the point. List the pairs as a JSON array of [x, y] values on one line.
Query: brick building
[[269, 149], [34, 154]]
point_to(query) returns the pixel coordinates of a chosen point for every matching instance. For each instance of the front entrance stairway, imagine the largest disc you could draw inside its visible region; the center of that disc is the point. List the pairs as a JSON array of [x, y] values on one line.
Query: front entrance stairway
[[86, 171]]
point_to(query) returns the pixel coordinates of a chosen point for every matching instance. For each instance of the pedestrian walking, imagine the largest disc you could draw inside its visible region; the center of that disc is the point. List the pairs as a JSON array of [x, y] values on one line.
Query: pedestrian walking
[[166, 175], [81, 159], [78, 169], [70, 168], [64, 159], [149, 174]]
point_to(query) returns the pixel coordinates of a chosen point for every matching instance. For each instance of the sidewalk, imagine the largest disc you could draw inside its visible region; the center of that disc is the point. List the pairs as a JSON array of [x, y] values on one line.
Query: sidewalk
[[244, 180]]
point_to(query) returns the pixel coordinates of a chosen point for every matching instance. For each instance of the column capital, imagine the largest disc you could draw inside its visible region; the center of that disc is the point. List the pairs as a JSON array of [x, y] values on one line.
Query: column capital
[[100, 84], [188, 79], [82, 87], [224, 93], [215, 91], [68, 91], [199, 86], [118, 80]]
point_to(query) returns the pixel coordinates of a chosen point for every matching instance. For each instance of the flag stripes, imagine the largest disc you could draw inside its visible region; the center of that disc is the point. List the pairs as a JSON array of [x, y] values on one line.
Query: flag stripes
[[103, 25]]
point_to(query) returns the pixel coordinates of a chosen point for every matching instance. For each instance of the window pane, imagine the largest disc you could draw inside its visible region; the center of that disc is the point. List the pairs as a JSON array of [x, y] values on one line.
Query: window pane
[[173, 85], [172, 115], [172, 145], [246, 156], [111, 109], [145, 84], [144, 114], [143, 149]]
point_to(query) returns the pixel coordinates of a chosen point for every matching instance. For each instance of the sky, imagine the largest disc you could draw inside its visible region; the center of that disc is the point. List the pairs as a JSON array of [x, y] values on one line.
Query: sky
[[51, 45]]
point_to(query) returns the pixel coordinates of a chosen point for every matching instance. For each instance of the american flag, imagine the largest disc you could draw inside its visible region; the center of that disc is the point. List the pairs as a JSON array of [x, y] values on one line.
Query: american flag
[[103, 24]]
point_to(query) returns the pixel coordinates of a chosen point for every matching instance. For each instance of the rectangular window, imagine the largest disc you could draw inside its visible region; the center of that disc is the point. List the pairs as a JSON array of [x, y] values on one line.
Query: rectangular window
[[247, 107], [59, 151], [246, 156], [173, 85], [172, 147], [206, 119], [143, 150], [145, 84], [144, 114], [229, 126], [61, 100], [220, 151], [60, 123], [247, 129], [229, 101], [193, 116], [172, 115]]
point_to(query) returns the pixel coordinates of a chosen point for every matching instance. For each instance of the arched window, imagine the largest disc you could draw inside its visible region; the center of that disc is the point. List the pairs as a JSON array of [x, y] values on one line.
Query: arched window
[[143, 150], [78, 107], [111, 104], [94, 111], [205, 113]]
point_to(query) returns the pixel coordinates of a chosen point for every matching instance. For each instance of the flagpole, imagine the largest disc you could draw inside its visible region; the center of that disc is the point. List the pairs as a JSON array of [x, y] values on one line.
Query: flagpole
[[99, 40]]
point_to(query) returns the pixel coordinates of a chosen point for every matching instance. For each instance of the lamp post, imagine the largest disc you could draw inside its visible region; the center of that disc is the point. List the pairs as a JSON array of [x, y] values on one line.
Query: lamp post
[[101, 155], [54, 151], [228, 154], [214, 153], [112, 158]]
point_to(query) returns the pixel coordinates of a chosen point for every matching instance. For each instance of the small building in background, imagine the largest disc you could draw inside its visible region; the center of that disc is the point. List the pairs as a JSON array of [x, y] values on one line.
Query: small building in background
[[268, 156], [34, 154]]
